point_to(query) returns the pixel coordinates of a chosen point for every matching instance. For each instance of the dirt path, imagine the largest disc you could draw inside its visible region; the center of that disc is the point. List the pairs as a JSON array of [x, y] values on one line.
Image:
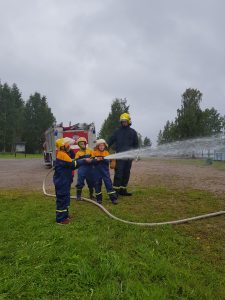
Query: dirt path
[[29, 173], [178, 175]]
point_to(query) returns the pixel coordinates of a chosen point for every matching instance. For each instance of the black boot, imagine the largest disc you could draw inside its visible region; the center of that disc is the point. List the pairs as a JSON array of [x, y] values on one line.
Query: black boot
[[114, 201], [124, 192], [117, 190], [99, 198], [113, 197], [79, 192], [91, 194]]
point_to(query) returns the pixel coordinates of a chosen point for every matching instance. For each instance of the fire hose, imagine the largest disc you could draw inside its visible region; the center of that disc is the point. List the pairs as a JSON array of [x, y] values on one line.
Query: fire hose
[[181, 221]]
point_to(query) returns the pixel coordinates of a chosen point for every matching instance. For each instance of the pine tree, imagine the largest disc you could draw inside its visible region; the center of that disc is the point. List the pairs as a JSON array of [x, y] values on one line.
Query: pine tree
[[111, 123], [147, 142], [11, 116], [37, 118]]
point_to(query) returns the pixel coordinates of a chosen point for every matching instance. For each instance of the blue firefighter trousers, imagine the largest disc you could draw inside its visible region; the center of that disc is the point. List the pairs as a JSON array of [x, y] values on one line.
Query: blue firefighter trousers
[[85, 173], [62, 204], [102, 174]]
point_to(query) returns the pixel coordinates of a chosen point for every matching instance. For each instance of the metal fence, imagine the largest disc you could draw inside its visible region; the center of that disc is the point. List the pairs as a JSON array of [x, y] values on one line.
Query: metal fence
[[219, 156], [214, 155]]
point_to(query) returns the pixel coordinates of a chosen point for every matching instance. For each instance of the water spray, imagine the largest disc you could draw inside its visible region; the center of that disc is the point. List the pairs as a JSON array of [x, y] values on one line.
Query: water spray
[[180, 149]]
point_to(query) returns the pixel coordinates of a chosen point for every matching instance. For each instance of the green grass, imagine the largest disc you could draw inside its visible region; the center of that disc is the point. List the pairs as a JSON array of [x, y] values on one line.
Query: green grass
[[220, 165], [98, 258], [19, 155]]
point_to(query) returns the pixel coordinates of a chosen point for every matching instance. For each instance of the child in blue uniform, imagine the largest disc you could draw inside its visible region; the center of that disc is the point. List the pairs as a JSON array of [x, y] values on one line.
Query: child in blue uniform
[[62, 180], [70, 152], [102, 172], [85, 172]]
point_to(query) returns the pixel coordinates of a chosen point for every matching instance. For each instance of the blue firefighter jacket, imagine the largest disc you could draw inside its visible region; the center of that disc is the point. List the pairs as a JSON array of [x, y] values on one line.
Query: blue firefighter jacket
[[80, 157], [63, 171], [124, 139], [101, 166], [85, 172], [81, 154]]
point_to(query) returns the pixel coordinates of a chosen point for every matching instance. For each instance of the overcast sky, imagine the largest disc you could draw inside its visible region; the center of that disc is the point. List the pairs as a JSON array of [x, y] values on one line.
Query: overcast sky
[[83, 54]]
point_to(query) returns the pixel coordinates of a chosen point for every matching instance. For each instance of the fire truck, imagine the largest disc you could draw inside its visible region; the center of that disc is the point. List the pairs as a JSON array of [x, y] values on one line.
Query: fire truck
[[72, 131]]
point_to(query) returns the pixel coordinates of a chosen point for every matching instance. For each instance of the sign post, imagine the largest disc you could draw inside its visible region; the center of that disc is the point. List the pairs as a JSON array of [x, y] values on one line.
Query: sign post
[[20, 148]]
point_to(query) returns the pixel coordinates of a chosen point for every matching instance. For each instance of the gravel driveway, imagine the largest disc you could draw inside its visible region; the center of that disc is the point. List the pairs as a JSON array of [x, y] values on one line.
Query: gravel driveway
[[29, 173]]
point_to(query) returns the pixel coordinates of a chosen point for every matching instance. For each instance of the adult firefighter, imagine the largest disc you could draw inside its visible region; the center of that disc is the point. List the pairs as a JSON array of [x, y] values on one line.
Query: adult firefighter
[[125, 138]]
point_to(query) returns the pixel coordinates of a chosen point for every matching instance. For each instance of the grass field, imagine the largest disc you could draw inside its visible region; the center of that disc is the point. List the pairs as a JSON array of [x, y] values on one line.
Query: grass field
[[98, 258]]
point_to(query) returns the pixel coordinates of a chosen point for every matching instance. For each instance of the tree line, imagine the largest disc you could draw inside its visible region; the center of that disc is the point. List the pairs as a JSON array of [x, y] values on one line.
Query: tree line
[[27, 120], [23, 120], [191, 121]]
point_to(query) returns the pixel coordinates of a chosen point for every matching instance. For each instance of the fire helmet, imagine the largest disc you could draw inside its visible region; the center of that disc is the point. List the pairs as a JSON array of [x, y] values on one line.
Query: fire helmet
[[81, 139], [69, 140], [63, 142], [125, 117], [101, 141]]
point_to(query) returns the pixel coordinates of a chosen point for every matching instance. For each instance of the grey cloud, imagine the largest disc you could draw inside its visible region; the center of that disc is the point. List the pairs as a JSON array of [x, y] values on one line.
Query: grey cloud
[[82, 54]]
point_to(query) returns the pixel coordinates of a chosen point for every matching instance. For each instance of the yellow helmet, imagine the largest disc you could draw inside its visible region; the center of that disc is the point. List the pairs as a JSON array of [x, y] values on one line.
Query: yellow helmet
[[63, 142], [125, 117], [59, 143], [81, 139]]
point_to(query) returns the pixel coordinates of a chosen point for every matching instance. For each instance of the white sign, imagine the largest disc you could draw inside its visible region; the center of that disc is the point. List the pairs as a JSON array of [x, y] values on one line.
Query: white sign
[[20, 147]]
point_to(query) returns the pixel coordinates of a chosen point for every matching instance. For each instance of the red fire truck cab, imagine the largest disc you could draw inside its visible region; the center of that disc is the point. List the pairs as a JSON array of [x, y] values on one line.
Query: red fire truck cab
[[73, 131]]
